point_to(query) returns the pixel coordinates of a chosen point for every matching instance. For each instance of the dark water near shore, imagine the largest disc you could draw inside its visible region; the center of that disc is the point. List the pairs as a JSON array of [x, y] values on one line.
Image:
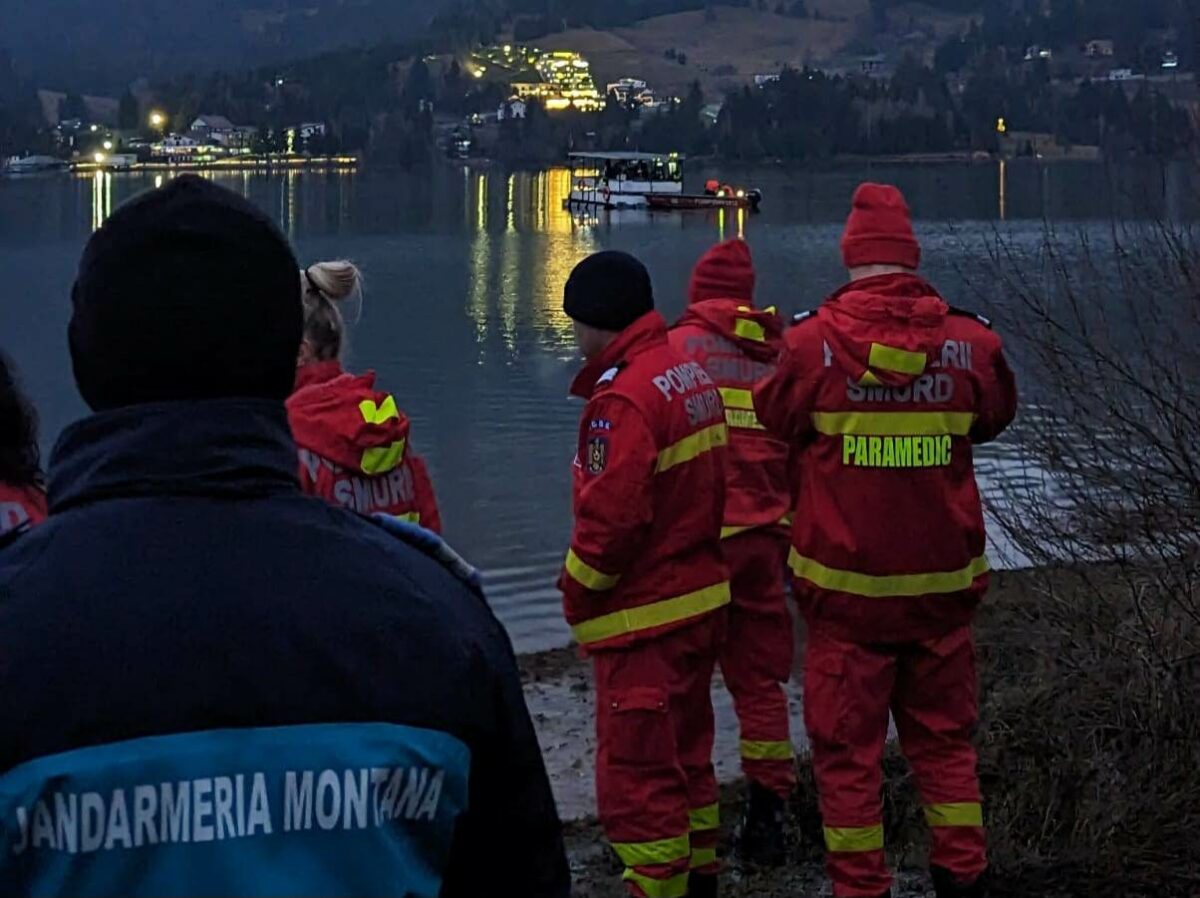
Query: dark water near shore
[[462, 320]]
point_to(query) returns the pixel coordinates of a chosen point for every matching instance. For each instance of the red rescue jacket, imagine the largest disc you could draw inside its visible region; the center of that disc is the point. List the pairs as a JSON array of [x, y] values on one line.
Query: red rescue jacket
[[354, 446], [738, 347], [21, 506], [886, 389], [649, 493]]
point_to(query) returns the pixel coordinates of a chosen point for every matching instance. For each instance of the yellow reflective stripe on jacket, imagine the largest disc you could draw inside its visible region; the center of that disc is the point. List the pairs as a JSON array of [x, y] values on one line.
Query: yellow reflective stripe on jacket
[[854, 838], [756, 750], [707, 817], [584, 573], [692, 446], [381, 459], [901, 361], [961, 813], [703, 857], [379, 414], [879, 587], [412, 517], [675, 887], [750, 330], [869, 379], [896, 424], [726, 532], [647, 854], [657, 614], [739, 409]]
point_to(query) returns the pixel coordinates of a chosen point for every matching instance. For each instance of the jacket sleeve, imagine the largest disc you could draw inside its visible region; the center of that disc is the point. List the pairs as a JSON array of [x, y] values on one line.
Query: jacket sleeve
[[783, 400], [613, 506], [510, 841], [427, 507], [997, 396]]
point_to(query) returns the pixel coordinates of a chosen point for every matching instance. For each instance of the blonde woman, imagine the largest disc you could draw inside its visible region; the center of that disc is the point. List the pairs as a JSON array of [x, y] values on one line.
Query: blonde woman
[[353, 438]]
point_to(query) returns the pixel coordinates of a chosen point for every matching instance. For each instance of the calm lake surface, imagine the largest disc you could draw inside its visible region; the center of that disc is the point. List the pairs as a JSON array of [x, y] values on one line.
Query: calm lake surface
[[462, 315]]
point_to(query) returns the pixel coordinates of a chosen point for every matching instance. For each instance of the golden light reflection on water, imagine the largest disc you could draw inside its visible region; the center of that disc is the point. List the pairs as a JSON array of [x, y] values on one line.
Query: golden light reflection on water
[[515, 282], [102, 199], [1003, 189]]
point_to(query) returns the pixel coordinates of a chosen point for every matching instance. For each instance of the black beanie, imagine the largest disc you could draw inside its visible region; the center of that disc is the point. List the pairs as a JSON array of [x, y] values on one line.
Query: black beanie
[[186, 292], [608, 290]]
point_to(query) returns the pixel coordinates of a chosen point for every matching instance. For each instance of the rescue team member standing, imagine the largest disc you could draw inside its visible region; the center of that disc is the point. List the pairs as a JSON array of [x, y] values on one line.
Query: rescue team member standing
[[644, 585], [211, 684], [886, 389], [353, 438], [22, 498], [738, 346]]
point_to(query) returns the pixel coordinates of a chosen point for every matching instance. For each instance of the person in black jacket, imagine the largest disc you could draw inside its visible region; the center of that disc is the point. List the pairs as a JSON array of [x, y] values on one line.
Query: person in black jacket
[[209, 683]]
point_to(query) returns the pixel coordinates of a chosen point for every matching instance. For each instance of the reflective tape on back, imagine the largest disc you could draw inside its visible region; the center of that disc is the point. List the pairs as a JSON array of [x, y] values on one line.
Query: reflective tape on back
[[692, 446], [893, 423], [750, 330], [380, 414], [881, 587], [381, 459], [657, 614], [899, 361]]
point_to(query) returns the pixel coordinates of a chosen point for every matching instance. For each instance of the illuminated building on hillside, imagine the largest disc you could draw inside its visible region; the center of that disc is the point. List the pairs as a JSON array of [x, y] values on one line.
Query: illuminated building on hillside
[[559, 79]]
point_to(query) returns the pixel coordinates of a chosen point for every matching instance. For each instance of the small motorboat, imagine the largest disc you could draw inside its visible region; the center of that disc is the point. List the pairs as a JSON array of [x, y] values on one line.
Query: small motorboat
[[716, 196]]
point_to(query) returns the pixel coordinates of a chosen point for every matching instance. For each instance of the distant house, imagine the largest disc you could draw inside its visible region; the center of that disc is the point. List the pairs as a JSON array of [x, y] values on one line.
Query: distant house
[[1099, 48], [1124, 75], [212, 127], [763, 80], [309, 130], [711, 113], [511, 110]]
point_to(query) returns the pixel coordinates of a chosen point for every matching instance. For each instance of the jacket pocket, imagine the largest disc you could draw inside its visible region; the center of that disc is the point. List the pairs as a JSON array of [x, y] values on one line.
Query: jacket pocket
[[640, 726]]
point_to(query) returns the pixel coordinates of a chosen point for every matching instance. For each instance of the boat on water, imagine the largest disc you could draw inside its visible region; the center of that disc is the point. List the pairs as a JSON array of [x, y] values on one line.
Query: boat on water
[[627, 180], [27, 165]]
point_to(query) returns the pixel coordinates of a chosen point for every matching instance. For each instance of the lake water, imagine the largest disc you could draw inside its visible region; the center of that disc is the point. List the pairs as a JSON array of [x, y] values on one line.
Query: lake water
[[462, 315]]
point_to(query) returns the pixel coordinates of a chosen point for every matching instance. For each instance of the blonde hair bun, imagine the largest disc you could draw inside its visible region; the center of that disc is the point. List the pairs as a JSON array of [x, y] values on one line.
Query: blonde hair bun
[[336, 281]]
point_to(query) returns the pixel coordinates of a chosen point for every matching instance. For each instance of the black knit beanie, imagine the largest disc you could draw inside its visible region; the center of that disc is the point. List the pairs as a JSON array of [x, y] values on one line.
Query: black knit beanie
[[186, 292], [608, 290]]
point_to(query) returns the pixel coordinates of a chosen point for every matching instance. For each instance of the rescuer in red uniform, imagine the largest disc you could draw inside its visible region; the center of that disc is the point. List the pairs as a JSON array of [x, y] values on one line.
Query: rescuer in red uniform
[[738, 346], [22, 496], [353, 439], [644, 585], [886, 390]]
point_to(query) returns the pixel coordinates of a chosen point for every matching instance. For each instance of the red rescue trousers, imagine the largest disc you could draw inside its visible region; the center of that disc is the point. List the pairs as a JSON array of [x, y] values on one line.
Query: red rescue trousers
[[930, 689], [656, 789], [756, 659]]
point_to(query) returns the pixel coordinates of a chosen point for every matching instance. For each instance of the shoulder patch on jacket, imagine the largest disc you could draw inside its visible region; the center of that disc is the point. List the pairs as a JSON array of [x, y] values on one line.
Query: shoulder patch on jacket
[[964, 313], [435, 547], [801, 317]]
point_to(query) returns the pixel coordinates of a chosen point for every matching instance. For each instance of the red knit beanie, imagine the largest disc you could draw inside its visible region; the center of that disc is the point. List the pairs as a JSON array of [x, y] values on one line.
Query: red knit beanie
[[879, 230], [724, 272]]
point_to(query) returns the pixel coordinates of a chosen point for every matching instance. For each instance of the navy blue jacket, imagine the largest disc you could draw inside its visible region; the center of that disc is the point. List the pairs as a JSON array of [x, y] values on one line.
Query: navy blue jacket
[[212, 684]]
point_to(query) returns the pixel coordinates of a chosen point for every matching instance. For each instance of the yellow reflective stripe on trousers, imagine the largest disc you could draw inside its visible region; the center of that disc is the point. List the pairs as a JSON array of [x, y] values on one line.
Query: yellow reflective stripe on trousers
[[647, 854], [843, 839], [379, 414], [381, 459], [726, 532], [707, 817], [893, 424], [657, 614], [703, 857], [750, 330], [584, 573], [675, 887], [880, 587], [960, 813], [412, 517], [692, 446], [756, 750], [902, 361]]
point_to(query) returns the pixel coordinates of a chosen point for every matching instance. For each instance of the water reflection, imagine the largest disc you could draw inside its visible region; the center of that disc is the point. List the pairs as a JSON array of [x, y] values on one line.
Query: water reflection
[[102, 198], [1003, 189]]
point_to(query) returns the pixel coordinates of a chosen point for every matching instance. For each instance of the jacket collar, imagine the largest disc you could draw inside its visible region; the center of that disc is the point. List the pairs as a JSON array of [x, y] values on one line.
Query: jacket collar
[[895, 285], [234, 448], [647, 332], [317, 373]]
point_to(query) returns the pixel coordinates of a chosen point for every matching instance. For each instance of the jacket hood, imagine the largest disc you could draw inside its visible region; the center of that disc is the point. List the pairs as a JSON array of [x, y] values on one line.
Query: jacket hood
[[885, 330], [346, 420], [756, 332], [217, 448]]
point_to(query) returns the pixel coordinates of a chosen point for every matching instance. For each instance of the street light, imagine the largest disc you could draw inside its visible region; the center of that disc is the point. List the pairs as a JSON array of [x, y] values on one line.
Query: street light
[[108, 144], [157, 120]]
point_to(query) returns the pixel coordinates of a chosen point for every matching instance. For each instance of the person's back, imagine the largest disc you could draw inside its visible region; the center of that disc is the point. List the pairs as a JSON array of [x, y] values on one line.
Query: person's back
[[22, 498], [884, 391], [212, 684], [354, 439], [738, 346]]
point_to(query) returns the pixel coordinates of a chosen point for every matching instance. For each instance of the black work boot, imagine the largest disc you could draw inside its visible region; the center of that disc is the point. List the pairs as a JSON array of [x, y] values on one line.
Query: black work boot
[[947, 886], [702, 885], [761, 835]]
